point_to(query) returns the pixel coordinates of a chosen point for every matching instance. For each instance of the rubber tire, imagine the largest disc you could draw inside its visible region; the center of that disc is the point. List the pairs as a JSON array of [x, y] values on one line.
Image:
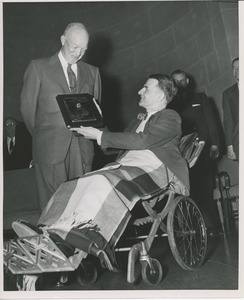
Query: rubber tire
[[86, 273], [147, 275], [198, 232]]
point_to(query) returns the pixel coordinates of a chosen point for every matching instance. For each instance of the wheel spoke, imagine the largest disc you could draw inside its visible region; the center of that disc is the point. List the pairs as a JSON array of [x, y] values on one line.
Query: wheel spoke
[[182, 214], [187, 235], [185, 246], [188, 216]]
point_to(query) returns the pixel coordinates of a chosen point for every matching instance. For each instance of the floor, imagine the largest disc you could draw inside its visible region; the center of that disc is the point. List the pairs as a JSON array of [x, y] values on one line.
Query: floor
[[219, 272]]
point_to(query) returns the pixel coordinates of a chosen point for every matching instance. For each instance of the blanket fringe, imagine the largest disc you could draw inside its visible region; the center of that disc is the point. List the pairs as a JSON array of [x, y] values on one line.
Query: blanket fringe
[[75, 221], [28, 283]]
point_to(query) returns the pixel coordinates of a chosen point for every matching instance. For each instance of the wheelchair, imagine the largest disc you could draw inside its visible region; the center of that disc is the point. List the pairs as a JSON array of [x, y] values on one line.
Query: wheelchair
[[179, 218]]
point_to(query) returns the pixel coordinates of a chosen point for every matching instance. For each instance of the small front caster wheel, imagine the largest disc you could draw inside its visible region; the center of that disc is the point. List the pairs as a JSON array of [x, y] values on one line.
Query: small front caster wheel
[[86, 273], [152, 274]]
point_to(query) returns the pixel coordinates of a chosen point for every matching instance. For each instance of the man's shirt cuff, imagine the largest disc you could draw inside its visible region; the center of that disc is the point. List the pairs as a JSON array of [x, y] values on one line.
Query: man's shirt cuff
[[99, 138]]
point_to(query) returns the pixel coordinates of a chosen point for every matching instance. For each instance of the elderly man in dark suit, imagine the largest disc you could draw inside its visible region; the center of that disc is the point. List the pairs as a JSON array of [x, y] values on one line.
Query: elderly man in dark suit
[[198, 116], [231, 114], [58, 153], [16, 145]]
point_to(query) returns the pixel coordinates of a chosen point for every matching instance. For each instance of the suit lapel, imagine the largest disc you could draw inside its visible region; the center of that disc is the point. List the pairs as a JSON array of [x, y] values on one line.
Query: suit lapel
[[6, 147], [234, 98], [153, 118], [235, 91], [81, 76], [58, 72]]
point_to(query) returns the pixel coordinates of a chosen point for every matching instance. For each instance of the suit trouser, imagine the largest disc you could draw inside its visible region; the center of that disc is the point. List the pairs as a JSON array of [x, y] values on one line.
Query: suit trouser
[[50, 176], [202, 180]]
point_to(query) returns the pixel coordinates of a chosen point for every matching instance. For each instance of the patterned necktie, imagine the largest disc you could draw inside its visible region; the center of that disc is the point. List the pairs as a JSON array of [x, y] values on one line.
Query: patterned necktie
[[145, 116], [72, 79], [142, 116]]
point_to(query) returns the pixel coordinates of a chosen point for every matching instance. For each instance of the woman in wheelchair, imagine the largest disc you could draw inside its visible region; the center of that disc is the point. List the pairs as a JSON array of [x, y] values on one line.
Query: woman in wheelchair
[[84, 214]]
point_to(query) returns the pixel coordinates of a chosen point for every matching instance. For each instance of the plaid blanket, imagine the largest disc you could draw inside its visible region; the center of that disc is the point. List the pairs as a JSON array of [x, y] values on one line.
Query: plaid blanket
[[101, 199], [99, 202]]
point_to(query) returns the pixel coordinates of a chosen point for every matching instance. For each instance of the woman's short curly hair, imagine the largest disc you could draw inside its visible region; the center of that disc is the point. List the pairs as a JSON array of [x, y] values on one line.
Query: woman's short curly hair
[[167, 85]]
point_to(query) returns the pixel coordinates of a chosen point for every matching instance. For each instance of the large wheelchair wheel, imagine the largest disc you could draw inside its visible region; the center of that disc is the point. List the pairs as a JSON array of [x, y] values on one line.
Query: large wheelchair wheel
[[86, 273], [187, 233]]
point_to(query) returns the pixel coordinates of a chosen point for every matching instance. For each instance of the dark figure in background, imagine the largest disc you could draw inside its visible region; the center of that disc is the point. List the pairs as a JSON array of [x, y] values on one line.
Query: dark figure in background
[[197, 116], [58, 153], [16, 145], [231, 114]]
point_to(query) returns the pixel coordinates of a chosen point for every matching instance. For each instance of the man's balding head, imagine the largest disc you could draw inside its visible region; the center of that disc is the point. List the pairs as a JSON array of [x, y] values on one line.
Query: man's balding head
[[74, 42]]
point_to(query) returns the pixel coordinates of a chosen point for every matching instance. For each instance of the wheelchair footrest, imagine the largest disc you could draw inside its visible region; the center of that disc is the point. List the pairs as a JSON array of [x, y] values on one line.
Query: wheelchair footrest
[[33, 255]]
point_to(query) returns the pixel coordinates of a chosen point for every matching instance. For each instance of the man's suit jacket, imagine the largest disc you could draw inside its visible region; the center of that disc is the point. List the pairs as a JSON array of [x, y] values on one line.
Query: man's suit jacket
[[44, 79], [161, 135], [21, 156], [197, 115], [231, 117]]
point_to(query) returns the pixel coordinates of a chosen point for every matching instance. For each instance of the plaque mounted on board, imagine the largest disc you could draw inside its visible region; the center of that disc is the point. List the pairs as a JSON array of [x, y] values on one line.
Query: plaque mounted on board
[[79, 110]]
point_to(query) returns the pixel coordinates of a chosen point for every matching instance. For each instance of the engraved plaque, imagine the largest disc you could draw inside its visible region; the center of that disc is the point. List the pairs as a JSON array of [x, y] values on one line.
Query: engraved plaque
[[79, 109]]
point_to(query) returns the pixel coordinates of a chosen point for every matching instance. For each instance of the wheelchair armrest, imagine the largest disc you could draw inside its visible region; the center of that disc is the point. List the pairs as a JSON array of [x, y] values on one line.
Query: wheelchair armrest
[[191, 148], [196, 153], [156, 193]]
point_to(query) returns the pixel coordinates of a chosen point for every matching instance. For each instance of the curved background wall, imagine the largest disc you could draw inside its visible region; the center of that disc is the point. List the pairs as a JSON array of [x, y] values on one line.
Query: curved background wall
[[129, 41]]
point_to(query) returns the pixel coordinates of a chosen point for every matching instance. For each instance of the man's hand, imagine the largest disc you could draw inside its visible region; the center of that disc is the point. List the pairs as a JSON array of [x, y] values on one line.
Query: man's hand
[[88, 132], [230, 153], [214, 152]]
